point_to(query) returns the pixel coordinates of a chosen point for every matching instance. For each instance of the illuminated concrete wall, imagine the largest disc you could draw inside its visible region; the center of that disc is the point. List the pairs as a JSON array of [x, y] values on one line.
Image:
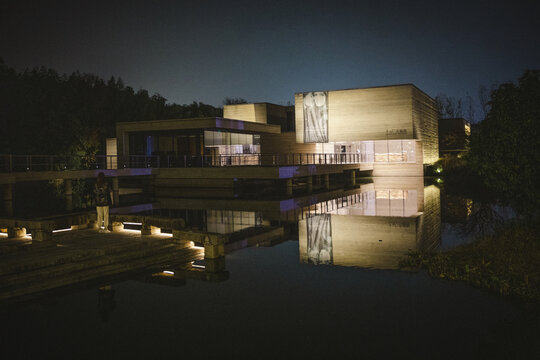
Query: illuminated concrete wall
[[246, 112], [265, 113], [285, 143], [374, 241], [379, 113], [426, 126]]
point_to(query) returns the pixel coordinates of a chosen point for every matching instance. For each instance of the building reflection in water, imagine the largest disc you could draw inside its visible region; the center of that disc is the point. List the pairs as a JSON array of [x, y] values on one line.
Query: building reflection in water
[[376, 227]]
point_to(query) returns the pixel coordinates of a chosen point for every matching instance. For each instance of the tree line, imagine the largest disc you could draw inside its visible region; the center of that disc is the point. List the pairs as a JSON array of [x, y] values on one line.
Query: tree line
[[43, 112], [504, 152]]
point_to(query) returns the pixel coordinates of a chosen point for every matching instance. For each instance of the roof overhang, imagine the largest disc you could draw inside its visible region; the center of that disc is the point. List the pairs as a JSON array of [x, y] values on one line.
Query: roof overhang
[[212, 123]]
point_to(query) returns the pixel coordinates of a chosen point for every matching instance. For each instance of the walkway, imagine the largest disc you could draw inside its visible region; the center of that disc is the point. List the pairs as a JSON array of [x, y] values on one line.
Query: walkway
[[76, 256]]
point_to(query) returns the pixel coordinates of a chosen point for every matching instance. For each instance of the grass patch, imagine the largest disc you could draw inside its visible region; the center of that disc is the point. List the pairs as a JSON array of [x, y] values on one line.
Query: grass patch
[[507, 262]]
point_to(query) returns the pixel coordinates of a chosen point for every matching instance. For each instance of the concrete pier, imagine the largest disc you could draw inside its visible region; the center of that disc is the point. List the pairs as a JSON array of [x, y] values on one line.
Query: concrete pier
[[309, 184], [68, 194], [287, 186], [326, 181], [350, 177], [7, 190], [214, 246], [16, 232], [116, 192], [148, 229]]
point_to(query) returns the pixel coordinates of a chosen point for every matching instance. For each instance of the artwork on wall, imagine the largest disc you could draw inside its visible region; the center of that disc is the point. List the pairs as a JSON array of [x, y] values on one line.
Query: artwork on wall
[[319, 239], [316, 117]]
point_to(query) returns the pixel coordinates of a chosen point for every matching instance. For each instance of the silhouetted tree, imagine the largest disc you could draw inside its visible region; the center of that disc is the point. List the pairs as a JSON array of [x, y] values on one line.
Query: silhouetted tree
[[234, 101], [505, 151], [42, 112]]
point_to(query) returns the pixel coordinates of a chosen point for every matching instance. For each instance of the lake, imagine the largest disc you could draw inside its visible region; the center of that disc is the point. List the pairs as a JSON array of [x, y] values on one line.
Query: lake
[[328, 288]]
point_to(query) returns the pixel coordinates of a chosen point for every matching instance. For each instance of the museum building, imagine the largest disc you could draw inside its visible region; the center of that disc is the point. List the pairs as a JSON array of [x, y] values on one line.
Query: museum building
[[394, 128]]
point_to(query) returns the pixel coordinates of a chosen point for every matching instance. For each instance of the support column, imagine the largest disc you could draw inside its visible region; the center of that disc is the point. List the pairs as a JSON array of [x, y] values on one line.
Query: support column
[[287, 186], [8, 199], [41, 234], [68, 194], [16, 232], [116, 192], [309, 184], [326, 181], [150, 185], [214, 246], [216, 265], [351, 177], [215, 269], [147, 229], [117, 226]]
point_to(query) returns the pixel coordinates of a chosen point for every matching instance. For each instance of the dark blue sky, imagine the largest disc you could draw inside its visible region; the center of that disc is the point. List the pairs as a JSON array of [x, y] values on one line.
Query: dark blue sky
[[267, 51]]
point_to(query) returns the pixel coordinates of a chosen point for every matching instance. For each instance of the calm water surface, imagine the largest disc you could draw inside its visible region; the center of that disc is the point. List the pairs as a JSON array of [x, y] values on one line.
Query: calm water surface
[[327, 294]]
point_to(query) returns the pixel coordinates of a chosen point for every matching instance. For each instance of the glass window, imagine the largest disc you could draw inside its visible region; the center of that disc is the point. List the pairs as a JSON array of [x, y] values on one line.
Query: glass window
[[394, 151], [408, 151], [381, 150], [208, 138]]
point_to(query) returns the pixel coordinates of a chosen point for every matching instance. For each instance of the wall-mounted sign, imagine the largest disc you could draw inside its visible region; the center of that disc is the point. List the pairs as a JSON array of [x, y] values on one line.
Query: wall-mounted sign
[[396, 132]]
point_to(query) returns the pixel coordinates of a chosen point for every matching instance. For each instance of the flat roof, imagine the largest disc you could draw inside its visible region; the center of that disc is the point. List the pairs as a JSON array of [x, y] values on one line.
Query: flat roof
[[208, 123], [369, 87]]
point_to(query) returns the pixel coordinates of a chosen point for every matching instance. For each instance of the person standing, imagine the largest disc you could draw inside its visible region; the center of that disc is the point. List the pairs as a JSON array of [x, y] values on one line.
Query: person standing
[[103, 198]]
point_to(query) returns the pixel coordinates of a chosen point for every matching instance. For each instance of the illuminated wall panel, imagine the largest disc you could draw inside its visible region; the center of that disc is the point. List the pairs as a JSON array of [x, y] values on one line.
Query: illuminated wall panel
[[380, 113]]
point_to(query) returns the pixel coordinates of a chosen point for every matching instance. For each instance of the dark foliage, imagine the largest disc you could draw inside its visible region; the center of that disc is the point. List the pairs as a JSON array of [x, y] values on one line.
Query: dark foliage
[[234, 101], [506, 261], [43, 112], [504, 151]]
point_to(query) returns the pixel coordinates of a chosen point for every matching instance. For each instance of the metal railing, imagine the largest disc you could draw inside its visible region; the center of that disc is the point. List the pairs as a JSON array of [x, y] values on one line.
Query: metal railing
[[22, 163], [175, 161]]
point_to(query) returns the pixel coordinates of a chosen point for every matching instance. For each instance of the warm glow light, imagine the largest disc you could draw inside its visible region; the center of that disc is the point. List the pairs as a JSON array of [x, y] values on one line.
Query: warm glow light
[[61, 230], [168, 272], [131, 223], [3, 234], [198, 266], [133, 231], [198, 247]]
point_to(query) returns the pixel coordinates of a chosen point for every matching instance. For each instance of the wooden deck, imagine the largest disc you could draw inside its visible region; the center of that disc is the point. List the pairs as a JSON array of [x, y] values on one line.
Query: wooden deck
[[77, 256]]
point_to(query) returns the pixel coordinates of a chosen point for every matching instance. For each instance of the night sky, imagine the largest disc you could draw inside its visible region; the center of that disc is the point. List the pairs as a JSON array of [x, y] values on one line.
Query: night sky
[[266, 51]]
